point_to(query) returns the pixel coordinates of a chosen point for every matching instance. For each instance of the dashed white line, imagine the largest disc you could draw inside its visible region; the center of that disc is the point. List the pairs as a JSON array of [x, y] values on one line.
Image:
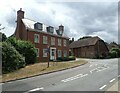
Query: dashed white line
[[84, 75], [112, 80], [74, 77], [102, 87], [36, 89]]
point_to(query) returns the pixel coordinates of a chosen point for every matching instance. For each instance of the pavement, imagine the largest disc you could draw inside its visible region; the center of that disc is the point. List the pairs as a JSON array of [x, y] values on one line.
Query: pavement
[[96, 75]]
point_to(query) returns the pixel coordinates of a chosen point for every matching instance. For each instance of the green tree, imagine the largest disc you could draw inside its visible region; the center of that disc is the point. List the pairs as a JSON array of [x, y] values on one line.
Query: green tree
[[11, 59], [26, 48], [3, 37], [114, 52]]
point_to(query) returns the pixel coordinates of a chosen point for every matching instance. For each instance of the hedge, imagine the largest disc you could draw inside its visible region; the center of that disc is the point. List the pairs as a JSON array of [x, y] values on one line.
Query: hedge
[[11, 59]]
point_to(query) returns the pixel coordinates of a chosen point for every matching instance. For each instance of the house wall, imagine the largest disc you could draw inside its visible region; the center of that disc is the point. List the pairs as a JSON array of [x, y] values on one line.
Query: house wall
[[101, 48], [42, 46], [91, 51]]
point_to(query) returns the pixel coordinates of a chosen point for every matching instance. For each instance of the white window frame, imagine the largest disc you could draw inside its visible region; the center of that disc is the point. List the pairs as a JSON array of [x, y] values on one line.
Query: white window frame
[[65, 42], [59, 42], [37, 51], [59, 53], [36, 35], [52, 40], [45, 53], [45, 40]]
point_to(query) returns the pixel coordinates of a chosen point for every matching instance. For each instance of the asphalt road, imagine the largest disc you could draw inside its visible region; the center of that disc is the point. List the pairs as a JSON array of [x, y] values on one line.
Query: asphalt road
[[96, 75]]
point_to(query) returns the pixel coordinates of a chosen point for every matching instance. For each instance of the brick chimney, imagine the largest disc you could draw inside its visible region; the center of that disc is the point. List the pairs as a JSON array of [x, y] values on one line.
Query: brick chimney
[[61, 29], [19, 27]]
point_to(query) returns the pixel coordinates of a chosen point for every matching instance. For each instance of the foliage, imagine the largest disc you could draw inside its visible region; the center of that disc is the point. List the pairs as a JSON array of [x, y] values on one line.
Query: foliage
[[66, 58], [84, 37], [72, 58], [3, 37], [114, 52], [25, 48], [11, 59]]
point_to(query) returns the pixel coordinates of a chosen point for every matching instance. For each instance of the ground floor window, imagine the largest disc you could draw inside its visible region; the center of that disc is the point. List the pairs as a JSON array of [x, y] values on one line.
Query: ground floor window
[[44, 52], [65, 53], [37, 51], [59, 53]]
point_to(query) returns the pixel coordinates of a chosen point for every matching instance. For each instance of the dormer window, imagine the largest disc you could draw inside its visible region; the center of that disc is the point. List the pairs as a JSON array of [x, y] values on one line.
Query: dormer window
[[50, 29], [38, 26]]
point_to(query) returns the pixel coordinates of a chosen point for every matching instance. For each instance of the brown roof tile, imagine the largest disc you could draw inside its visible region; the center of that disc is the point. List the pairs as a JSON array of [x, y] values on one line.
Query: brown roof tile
[[84, 42]]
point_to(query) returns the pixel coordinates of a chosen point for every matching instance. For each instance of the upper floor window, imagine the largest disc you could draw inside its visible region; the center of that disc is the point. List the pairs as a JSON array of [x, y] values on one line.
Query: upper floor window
[[65, 42], [45, 40], [36, 38], [59, 42], [52, 41]]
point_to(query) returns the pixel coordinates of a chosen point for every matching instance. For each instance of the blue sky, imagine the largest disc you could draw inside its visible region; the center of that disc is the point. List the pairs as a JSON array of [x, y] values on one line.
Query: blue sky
[[80, 19]]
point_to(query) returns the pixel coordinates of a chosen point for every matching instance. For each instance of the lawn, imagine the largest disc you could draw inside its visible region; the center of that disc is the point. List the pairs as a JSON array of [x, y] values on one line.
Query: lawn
[[40, 68]]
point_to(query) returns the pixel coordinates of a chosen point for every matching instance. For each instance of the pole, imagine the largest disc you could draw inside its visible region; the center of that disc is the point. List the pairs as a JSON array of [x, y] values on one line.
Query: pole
[[48, 56]]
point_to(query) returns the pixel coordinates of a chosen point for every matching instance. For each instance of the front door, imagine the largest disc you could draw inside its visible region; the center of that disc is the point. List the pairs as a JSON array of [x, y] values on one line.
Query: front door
[[52, 53]]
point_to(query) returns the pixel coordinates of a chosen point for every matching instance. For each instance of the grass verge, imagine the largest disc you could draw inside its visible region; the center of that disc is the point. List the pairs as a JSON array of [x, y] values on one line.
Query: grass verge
[[40, 68]]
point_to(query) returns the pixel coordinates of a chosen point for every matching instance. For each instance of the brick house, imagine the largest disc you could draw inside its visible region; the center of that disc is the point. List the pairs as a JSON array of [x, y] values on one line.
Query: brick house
[[43, 37], [89, 47]]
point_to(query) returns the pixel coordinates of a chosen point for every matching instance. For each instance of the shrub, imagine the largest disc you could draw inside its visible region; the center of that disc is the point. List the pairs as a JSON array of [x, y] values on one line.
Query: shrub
[[114, 52], [66, 58], [72, 58], [25, 48], [11, 59]]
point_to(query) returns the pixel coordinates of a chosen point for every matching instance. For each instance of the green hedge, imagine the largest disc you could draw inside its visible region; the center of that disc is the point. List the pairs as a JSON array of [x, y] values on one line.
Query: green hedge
[[25, 48], [66, 58], [11, 59]]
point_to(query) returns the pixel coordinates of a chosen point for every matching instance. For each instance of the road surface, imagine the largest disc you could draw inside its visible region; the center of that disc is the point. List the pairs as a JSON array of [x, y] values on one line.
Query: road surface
[[96, 75]]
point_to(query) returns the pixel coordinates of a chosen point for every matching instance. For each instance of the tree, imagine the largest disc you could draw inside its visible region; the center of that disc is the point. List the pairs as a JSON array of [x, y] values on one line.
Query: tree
[[11, 59], [3, 36], [25, 48], [84, 37], [114, 52]]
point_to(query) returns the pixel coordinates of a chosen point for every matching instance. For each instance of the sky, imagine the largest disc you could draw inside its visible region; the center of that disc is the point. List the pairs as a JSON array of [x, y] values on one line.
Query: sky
[[80, 18]]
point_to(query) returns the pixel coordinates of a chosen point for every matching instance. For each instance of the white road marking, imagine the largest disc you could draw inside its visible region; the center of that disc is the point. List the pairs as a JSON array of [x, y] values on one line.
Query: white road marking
[[102, 87], [90, 65], [112, 80], [93, 70], [36, 89], [84, 75], [71, 78], [74, 77]]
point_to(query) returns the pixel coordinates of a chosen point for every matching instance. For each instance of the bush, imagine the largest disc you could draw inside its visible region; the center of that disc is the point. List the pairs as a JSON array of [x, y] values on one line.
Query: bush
[[11, 59], [72, 58], [66, 58], [25, 48], [114, 52]]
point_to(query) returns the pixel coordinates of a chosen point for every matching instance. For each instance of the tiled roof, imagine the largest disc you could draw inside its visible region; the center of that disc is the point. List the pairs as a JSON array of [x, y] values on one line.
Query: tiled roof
[[84, 42], [30, 25]]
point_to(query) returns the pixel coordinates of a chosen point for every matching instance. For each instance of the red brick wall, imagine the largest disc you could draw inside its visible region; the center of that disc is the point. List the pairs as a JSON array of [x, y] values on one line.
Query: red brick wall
[[41, 46]]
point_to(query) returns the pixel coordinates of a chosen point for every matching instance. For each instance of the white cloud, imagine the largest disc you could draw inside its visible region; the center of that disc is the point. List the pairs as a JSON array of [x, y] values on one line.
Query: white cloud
[[79, 19]]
